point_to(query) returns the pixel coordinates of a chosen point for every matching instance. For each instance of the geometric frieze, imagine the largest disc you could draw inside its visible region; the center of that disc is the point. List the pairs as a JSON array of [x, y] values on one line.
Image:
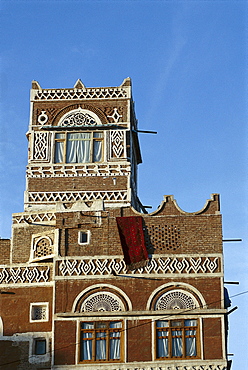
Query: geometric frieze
[[44, 197], [156, 265], [159, 365], [76, 170], [33, 217], [88, 93], [31, 274]]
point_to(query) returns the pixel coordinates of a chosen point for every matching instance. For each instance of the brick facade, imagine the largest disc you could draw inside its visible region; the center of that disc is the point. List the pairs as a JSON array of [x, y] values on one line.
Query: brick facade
[[68, 298]]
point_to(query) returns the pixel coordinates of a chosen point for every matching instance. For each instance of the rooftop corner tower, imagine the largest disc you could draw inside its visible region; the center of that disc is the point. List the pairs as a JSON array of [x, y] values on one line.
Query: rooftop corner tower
[[83, 148]]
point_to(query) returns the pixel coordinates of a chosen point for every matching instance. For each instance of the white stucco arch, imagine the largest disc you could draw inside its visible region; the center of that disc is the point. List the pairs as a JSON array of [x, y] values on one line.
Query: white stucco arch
[[102, 287], [85, 113], [174, 286]]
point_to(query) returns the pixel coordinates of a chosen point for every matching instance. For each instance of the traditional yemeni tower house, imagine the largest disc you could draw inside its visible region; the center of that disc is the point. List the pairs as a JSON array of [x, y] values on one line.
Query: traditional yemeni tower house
[[89, 280]]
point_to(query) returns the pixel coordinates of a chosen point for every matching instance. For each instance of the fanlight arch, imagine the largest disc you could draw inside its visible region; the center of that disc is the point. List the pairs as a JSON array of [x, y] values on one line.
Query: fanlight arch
[[102, 297], [175, 300], [79, 117], [175, 296]]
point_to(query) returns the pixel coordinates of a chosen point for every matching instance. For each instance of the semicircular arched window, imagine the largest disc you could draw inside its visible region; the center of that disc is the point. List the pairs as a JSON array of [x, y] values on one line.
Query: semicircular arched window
[[103, 301], [79, 117], [176, 300]]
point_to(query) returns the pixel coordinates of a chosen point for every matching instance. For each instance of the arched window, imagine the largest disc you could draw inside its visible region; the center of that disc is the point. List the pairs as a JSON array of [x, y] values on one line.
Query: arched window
[[175, 299], [101, 340], [82, 146], [102, 301]]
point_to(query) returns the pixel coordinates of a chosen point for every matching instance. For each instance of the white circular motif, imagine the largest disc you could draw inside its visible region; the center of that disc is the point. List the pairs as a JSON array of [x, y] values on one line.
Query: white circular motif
[[104, 301], [175, 300], [43, 117]]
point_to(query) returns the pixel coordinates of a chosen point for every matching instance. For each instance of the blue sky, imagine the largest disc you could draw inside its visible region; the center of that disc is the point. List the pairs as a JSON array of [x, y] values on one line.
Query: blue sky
[[188, 64]]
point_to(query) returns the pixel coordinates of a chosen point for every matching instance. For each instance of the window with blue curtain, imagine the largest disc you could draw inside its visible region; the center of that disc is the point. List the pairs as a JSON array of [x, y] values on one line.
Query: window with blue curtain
[[177, 339], [101, 341]]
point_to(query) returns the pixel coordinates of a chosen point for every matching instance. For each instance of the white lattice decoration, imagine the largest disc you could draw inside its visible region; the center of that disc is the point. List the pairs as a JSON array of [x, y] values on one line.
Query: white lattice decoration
[[78, 119], [176, 300], [39, 313], [43, 247], [33, 218], [16, 275], [77, 170], [116, 265], [104, 301], [46, 197], [88, 93], [40, 148], [116, 116], [117, 144]]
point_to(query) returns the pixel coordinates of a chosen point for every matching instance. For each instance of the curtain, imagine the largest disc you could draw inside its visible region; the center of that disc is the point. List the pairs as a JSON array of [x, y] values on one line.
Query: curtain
[[177, 345], [86, 349], [190, 338], [78, 148], [162, 343], [97, 151], [59, 148], [115, 341], [101, 345]]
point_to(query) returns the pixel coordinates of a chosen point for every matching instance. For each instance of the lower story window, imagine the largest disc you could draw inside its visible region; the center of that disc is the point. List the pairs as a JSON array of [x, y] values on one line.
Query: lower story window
[[177, 339], [40, 346], [101, 341]]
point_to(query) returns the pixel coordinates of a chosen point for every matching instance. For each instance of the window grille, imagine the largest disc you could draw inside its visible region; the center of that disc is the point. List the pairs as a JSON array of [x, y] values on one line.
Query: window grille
[[39, 312]]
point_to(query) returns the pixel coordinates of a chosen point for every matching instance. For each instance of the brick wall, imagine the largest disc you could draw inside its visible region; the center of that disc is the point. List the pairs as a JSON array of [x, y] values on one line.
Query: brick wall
[[15, 309], [4, 251], [211, 336], [65, 342]]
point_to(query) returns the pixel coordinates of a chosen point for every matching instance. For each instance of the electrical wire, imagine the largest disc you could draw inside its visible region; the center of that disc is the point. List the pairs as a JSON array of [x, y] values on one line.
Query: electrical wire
[[133, 327]]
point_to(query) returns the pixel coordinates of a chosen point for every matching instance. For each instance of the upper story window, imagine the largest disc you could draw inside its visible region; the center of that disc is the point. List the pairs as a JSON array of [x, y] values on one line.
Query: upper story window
[[79, 147], [177, 339]]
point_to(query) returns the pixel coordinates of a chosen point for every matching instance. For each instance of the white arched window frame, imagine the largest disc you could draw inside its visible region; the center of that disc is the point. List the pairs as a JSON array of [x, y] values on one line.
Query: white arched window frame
[[185, 288], [80, 145]]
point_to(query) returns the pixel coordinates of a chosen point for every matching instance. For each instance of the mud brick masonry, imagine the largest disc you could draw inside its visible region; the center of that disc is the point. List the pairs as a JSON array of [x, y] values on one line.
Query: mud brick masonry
[[89, 279]]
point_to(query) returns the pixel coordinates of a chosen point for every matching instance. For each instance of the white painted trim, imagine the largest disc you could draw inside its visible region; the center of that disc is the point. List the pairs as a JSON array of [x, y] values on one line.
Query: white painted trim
[[38, 304], [214, 364], [80, 232], [224, 344], [37, 359], [1, 326]]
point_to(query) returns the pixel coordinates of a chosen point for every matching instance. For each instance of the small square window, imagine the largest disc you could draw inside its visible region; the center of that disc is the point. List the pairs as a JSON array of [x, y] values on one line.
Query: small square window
[[39, 312], [40, 346], [84, 237]]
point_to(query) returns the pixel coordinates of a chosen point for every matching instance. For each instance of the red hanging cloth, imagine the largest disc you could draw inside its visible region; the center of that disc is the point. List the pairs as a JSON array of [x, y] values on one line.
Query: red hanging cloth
[[132, 241]]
